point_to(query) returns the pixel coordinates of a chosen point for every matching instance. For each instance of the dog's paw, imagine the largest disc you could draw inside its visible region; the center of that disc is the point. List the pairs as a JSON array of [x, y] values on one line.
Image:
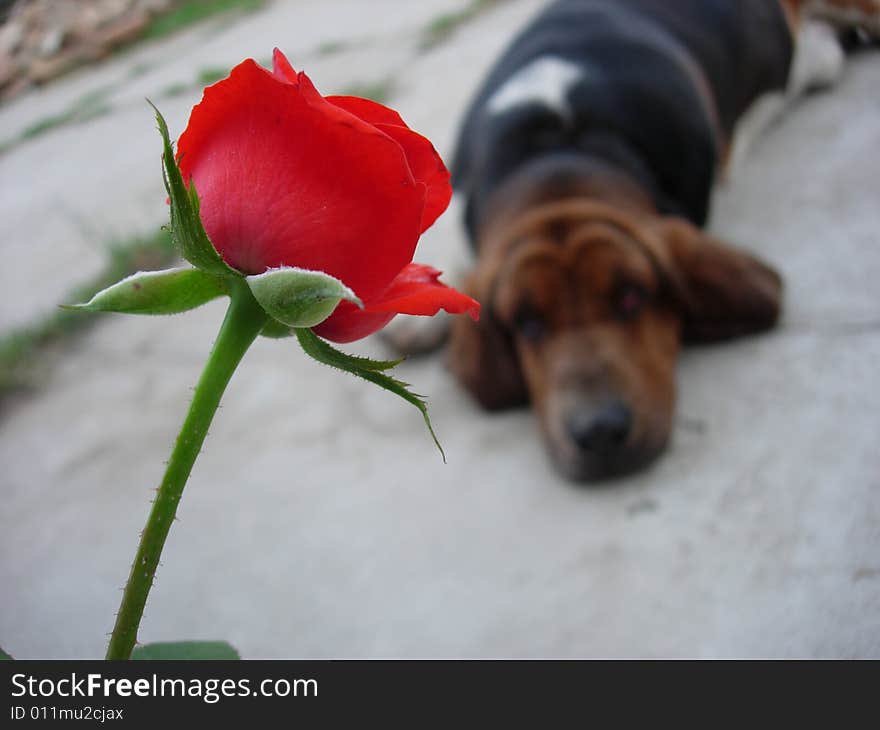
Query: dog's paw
[[414, 336]]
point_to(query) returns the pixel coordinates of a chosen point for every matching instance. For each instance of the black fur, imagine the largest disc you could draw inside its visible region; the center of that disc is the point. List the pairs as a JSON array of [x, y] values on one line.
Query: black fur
[[643, 112]]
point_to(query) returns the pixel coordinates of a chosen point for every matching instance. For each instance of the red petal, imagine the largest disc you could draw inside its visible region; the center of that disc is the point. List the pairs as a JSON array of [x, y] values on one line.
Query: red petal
[[426, 165], [348, 323], [287, 179], [368, 110], [427, 168], [416, 290], [281, 68]]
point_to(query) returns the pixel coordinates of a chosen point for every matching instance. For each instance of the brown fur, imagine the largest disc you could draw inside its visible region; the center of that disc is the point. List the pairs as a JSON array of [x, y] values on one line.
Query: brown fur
[[555, 330]]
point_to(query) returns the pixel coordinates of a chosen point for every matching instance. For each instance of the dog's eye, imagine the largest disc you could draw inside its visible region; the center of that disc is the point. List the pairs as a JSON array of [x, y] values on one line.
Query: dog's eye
[[530, 324], [629, 300]]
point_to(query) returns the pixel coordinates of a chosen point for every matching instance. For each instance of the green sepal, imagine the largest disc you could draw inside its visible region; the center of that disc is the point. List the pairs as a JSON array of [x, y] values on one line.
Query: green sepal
[[362, 367], [299, 297], [185, 650], [157, 292], [276, 330], [187, 230]]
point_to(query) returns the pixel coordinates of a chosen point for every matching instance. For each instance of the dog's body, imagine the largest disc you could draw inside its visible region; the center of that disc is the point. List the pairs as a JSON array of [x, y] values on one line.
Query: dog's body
[[651, 88], [586, 162]]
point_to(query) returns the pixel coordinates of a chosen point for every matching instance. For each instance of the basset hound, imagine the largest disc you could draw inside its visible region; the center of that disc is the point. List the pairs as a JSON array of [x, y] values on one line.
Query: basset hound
[[586, 162]]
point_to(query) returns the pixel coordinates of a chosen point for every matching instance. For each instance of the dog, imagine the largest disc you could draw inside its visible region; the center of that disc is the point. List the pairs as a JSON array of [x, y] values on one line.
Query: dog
[[586, 163]]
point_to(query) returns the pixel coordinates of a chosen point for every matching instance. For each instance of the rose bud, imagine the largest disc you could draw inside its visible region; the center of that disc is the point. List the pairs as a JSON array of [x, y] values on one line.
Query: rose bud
[[289, 178]]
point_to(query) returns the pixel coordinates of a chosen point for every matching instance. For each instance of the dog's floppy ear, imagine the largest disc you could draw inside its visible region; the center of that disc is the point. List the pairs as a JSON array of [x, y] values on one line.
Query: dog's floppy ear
[[482, 356], [722, 292]]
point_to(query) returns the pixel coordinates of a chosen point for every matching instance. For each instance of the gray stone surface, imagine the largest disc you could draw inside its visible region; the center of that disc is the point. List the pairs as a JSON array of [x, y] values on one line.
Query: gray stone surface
[[320, 520]]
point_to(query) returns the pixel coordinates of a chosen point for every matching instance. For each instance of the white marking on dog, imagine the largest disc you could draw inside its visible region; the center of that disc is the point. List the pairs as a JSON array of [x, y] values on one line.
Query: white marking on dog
[[546, 80]]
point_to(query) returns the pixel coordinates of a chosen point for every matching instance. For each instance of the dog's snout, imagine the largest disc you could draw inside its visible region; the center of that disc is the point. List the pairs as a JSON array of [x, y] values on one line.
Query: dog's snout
[[600, 431]]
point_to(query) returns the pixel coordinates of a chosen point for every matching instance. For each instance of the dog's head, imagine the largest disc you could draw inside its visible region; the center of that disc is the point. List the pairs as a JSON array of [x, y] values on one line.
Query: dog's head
[[584, 310]]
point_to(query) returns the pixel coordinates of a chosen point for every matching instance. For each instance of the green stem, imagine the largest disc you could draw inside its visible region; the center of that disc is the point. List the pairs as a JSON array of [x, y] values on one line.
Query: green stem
[[244, 320]]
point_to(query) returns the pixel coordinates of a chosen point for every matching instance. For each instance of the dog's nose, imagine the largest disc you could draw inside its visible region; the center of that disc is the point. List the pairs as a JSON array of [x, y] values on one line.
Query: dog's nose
[[597, 431]]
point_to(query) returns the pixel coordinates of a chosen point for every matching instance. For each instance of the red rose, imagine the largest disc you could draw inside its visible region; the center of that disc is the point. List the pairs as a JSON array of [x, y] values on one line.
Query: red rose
[[287, 177]]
